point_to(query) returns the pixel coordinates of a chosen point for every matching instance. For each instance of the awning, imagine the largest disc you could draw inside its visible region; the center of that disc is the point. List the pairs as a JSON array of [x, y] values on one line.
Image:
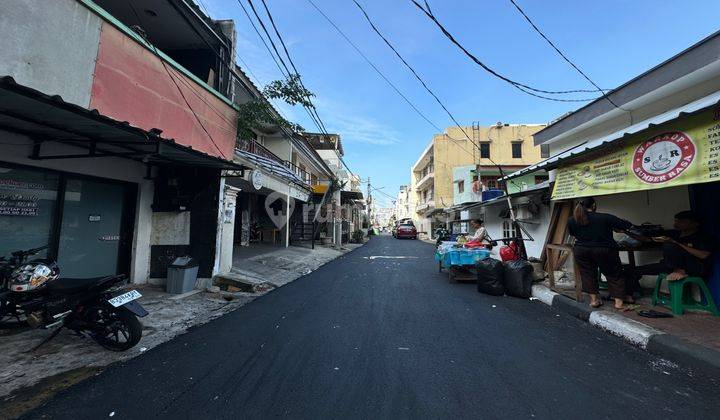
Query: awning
[[535, 189], [348, 197], [613, 139], [46, 118], [270, 167]]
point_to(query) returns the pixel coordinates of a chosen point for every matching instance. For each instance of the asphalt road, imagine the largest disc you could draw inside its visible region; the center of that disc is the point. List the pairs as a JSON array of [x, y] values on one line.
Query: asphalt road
[[390, 338]]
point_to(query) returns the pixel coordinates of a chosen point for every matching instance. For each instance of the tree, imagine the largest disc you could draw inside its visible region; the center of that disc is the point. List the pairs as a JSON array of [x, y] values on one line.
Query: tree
[[257, 113]]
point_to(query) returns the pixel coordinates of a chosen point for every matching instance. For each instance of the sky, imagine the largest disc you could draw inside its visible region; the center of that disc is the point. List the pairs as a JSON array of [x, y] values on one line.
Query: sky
[[611, 41]]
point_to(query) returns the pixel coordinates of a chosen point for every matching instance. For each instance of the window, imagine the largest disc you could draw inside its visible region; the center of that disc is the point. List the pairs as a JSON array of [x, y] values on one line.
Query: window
[[517, 150], [461, 186], [539, 179], [490, 182], [508, 229], [485, 150], [544, 150]]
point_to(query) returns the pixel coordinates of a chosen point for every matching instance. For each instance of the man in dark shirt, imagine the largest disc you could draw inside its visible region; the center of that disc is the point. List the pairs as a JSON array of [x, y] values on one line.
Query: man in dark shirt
[[685, 250]]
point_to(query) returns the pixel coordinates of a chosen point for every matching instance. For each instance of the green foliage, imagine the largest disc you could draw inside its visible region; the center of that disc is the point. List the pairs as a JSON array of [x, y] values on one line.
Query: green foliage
[[357, 236], [257, 113]]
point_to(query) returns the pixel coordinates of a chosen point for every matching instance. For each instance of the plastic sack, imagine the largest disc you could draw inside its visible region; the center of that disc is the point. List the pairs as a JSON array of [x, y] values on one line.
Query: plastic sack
[[518, 279], [490, 277], [510, 252]]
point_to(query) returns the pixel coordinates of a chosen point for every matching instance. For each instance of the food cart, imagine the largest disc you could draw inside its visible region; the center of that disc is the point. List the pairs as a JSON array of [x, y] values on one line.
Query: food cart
[[459, 261]]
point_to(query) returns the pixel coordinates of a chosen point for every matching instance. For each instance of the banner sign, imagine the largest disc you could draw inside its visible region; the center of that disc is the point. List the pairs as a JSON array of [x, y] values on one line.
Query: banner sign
[[680, 153]]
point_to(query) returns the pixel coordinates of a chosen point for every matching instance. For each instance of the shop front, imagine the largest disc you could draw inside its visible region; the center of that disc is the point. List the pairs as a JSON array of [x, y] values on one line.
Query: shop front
[[269, 204], [86, 223], [102, 196], [645, 178]]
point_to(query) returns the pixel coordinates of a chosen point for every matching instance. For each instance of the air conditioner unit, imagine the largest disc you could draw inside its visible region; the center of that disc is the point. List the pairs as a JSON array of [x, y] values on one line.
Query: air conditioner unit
[[524, 213]]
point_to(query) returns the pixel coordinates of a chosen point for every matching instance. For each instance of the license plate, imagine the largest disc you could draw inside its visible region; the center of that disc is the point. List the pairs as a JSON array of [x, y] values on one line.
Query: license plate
[[124, 298]]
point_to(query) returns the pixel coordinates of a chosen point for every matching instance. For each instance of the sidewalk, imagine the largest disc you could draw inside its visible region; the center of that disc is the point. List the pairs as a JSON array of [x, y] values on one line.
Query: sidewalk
[[68, 359], [690, 339]]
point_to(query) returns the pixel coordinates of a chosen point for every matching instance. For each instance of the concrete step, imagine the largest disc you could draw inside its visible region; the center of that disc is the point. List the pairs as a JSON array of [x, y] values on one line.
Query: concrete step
[[236, 282]]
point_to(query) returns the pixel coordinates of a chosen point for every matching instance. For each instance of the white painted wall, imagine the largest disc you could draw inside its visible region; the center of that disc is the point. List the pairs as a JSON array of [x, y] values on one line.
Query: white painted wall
[[226, 227], [17, 149], [50, 46], [654, 206], [537, 229]]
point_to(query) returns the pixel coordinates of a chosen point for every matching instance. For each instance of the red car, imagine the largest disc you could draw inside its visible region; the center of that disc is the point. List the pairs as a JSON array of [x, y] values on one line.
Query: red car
[[406, 230]]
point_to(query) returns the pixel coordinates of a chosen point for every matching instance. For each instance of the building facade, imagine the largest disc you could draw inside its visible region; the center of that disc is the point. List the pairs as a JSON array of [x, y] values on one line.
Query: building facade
[[646, 152], [120, 146], [455, 168]]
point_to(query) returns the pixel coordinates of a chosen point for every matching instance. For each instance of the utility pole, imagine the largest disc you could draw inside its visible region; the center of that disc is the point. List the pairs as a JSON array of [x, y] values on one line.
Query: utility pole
[[369, 202]]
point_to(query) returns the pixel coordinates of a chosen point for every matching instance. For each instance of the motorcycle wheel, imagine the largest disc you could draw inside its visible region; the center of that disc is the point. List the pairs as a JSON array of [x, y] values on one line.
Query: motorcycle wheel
[[116, 329]]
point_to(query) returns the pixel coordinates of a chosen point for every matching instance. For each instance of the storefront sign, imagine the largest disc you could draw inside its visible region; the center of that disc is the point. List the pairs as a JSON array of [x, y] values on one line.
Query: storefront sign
[[18, 205], [681, 153], [257, 179]]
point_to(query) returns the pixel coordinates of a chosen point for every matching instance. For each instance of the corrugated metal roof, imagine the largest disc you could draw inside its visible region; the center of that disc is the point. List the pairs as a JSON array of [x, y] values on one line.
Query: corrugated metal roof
[[34, 113], [270, 166], [592, 145]]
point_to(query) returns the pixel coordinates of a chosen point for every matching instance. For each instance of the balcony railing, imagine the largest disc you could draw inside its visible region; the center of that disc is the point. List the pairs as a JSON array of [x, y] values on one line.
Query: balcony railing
[[256, 148], [301, 173]]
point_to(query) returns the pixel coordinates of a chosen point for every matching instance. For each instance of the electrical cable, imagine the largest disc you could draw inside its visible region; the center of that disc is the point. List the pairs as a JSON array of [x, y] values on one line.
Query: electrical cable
[[292, 64], [374, 67], [520, 86], [564, 57], [172, 78], [420, 79], [287, 69], [312, 110]]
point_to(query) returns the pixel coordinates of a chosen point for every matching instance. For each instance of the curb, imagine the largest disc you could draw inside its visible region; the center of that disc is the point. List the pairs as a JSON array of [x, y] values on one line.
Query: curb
[[654, 341]]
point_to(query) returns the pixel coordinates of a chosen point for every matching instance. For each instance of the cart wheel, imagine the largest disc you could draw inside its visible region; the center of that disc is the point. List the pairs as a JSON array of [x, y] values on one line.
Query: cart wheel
[[451, 275], [439, 266]]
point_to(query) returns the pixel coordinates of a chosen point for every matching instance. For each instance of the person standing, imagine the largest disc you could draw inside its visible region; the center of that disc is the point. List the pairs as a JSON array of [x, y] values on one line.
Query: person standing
[[596, 251]]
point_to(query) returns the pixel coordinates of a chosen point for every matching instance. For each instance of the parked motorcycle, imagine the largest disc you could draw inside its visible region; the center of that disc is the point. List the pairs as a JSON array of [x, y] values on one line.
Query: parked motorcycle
[[34, 292], [442, 234]]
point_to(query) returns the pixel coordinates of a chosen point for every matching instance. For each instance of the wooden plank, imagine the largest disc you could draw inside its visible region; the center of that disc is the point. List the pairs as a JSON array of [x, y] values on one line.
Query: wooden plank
[[554, 216], [559, 247]]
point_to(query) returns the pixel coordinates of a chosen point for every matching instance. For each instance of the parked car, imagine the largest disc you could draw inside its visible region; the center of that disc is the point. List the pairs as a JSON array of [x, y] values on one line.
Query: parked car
[[406, 230], [400, 222]]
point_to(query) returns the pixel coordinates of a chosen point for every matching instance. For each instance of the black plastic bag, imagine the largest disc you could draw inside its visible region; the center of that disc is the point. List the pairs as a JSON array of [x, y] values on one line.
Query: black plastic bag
[[518, 278], [490, 277]]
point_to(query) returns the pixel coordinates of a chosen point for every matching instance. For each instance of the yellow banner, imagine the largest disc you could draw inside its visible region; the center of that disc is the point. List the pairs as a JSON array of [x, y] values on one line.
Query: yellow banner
[[680, 153]]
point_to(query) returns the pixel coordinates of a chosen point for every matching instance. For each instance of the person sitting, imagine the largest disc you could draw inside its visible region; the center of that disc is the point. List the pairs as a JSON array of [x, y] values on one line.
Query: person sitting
[[480, 232], [685, 250]]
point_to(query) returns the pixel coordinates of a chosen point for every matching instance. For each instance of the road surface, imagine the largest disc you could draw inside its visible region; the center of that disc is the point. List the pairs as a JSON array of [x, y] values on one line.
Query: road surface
[[368, 337]]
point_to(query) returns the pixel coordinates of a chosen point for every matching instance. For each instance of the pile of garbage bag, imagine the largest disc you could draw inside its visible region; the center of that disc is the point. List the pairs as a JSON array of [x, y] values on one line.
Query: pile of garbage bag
[[497, 278]]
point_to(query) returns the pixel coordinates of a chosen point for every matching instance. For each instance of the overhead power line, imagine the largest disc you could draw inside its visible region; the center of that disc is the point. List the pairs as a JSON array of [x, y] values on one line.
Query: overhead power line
[[520, 86], [374, 67], [312, 110], [420, 79], [564, 57], [286, 73], [379, 72], [292, 64], [172, 78]]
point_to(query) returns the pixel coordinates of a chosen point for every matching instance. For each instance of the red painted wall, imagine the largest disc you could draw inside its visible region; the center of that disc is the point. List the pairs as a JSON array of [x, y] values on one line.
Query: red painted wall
[[130, 84]]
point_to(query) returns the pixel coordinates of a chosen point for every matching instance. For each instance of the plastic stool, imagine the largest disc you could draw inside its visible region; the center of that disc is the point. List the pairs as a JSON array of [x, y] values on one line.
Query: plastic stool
[[681, 298]]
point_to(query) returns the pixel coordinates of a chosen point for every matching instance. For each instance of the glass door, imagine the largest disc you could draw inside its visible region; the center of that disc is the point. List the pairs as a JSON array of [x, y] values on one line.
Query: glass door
[[28, 200], [91, 228]]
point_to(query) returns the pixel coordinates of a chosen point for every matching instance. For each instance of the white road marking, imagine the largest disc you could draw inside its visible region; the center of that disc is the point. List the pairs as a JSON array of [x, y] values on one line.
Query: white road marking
[[391, 257], [403, 348]]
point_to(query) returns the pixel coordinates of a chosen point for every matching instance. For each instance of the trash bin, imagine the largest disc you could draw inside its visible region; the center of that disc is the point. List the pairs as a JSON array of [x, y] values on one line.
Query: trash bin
[[181, 275]]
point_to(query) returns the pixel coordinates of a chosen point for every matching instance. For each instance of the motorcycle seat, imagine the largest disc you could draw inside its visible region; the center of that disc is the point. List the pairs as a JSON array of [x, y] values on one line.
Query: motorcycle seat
[[73, 285]]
